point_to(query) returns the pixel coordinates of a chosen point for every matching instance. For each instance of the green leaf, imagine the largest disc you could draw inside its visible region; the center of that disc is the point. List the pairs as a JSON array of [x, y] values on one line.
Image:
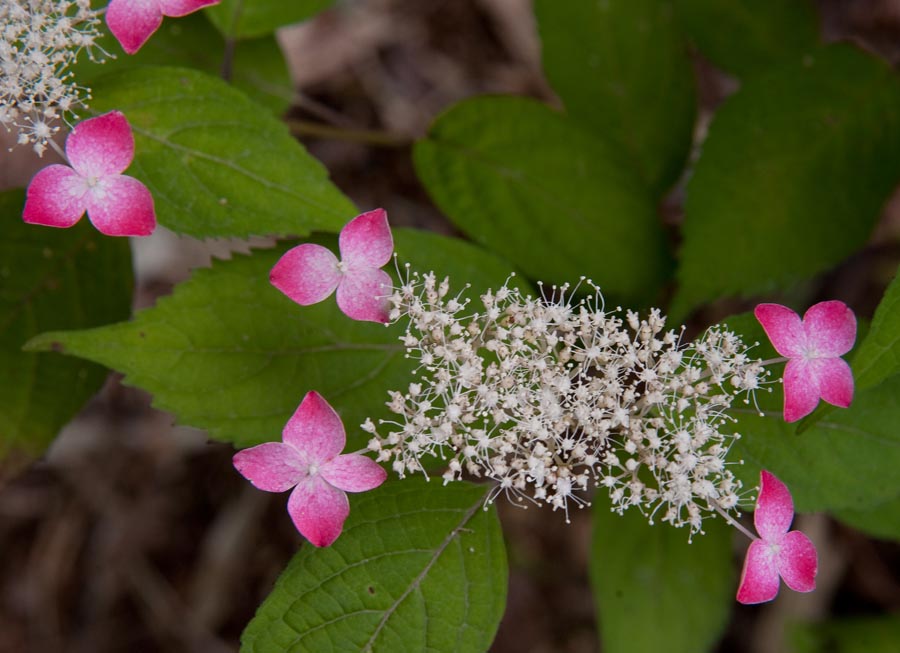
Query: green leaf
[[747, 37], [257, 66], [792, 177], [552, 198], [879, 355], [215, 163], [51, 279], [243, 19], [882, 520], [227, 352], [848, 459], [622, 69], [419, 567], [654, 590], [856, 635]]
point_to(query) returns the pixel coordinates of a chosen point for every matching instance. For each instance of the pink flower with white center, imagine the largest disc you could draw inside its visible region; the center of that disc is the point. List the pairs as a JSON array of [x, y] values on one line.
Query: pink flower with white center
[[814, 347], [777, 552], [309, 458], [99, 150], [309, 273], [132, 22]]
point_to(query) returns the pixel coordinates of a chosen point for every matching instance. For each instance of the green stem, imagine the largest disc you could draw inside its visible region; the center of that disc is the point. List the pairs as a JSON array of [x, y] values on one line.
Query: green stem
[[363, 136]]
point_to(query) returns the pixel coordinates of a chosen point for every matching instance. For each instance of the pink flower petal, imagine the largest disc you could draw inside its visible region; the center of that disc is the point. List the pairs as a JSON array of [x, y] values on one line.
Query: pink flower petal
[[101, 146], [830, 328], [784, 328], [307, 274], [801, 388], [353, 472], [798, 562], [272, 466], [55, 197], [759, 578], [315, 430], [132, 22], [366, 240], [774, 508], [835, 381], [178, 8], [318, 510], [121, 206], [363, 294]]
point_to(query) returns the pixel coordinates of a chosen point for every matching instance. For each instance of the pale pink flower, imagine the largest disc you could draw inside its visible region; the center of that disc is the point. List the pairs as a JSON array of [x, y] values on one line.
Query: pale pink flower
[[99, 150], [309, 458], [309, 273], [777, 552], [814, 346], [132, 22]]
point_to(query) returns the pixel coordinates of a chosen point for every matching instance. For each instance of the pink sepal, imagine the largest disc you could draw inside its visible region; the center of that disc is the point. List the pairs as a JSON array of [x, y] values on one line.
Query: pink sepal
[[121, 206], [353, 472], [101, 146], [178, 8], [798, 562], [831, 328], [55, 197], [759, 577], [307, 274], [318, 510], [366, 240], [271, 466], [774, 507], [316, 429], [132, 22], [363, 295]]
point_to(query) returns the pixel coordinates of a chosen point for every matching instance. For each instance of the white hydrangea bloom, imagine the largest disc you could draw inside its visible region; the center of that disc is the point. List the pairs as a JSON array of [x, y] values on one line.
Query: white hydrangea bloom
[[39, 41], [549, 397]]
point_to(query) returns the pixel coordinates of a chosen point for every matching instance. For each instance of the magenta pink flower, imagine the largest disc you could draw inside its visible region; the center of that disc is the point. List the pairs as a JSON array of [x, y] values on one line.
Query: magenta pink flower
[[132, 22], [814, 346], [777, 552], [309, 273], [99, 150], [309, 458]]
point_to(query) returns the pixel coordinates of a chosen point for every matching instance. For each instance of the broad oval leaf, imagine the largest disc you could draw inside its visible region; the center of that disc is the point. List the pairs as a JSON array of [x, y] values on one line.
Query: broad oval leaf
[[227, 352], [215, 163], [656, 591], [847, 459], [419, 567], [748, 37], [622, 69], [551, 197], [51, 279], [256, 66], [878, 634], [242, 19], [878, 356], [792, 177]]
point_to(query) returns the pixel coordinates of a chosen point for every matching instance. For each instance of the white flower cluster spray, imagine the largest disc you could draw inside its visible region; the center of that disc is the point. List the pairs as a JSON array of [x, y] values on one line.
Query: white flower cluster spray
[[39, 41], [554, 395]]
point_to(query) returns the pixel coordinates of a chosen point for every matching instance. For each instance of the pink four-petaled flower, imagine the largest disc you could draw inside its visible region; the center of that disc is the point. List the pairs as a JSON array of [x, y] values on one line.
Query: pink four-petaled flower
[[814, 346], [309, 273], [132, 22], [99, 150], [777, 552], [309, 458]]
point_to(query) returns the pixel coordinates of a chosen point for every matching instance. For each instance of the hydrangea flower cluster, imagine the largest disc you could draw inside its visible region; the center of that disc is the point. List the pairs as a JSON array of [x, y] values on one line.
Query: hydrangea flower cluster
[[39, 42], [554, 395], [549, 396]]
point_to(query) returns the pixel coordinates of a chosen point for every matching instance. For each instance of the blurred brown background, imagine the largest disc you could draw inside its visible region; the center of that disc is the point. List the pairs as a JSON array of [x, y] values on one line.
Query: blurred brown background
[[136, 535]]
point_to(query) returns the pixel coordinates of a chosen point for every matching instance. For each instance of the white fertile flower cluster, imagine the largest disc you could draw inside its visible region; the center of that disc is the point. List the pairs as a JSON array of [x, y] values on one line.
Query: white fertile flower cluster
[[551, 396], [39, 41]]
